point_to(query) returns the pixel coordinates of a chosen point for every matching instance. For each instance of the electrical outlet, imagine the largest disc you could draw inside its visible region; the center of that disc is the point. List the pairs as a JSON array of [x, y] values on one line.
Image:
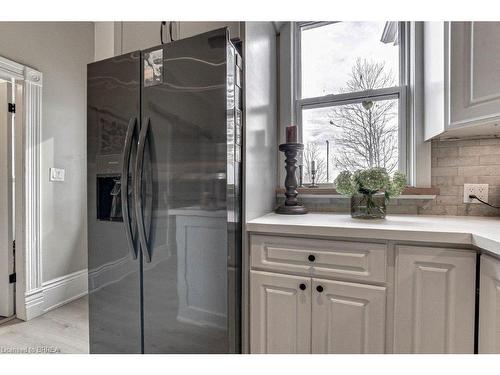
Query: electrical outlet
[[479, 190]]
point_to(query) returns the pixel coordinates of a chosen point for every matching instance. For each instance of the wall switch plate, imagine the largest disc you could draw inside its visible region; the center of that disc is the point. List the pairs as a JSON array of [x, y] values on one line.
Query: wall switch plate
[[479, 190], [56, 174]]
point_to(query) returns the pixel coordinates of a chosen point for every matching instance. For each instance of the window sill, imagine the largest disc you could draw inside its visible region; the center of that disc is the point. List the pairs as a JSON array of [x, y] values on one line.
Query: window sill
[[321, 192]]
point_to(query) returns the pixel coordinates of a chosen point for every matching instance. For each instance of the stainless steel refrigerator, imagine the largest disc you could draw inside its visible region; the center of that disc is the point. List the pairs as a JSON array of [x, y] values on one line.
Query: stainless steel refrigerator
[[164, 201]]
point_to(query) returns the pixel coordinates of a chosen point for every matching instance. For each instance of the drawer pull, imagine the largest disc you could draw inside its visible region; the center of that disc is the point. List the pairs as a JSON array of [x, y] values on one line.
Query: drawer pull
[[319, 288], [311, 258], [302, 286]]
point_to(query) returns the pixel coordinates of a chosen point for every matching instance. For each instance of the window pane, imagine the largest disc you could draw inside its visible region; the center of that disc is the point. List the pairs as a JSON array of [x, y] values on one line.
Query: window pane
[[354, 136], [348, 57]]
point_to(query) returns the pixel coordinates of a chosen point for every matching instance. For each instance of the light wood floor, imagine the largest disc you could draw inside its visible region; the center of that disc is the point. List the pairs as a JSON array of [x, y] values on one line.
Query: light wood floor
[[63, 330]]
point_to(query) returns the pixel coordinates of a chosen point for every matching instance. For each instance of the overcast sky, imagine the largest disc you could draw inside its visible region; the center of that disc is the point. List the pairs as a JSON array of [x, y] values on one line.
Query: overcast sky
[[329, 53]]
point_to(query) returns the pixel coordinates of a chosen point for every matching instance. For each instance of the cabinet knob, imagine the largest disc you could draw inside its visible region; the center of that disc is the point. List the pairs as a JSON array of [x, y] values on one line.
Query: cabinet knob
[[319, 288], [311, 258], [302, 286]]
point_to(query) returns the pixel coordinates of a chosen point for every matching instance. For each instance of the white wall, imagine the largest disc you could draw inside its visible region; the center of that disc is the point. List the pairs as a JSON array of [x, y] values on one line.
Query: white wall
[[60, 50], [261, 119], [261, 124], [139, 35], [104, 40]]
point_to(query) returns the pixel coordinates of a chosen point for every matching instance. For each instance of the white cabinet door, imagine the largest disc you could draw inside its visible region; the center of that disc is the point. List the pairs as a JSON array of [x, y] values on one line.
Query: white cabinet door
[[187, 29], [474, 73], [434, 300], [347, 318], [489, 305], [461, 78], [280, 313]]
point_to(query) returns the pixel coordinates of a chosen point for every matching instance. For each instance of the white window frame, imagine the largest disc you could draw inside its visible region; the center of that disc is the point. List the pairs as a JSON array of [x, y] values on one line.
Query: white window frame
[[396, 92]]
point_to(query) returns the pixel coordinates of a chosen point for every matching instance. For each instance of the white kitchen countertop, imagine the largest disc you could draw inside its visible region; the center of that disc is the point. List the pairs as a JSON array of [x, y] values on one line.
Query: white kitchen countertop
[[483, 232]]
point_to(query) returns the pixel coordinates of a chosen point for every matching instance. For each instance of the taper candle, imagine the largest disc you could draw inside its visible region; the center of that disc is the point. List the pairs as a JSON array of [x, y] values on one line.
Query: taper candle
[[291, 134]]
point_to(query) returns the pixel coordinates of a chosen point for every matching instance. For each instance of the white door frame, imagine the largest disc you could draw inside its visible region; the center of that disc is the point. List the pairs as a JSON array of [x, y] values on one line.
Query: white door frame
[[28, 259]]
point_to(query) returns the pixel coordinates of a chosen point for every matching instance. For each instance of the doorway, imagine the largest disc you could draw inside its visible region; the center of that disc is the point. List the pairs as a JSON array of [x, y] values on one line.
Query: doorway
[[7, 199]]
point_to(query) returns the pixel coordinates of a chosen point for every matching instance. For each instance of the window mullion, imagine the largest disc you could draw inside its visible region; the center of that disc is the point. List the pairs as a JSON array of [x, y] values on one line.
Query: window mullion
[[351, 97], [330, 101]]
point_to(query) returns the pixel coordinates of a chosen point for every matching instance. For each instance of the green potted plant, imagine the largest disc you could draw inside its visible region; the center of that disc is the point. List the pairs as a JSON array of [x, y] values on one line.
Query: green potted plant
[[370, 189]]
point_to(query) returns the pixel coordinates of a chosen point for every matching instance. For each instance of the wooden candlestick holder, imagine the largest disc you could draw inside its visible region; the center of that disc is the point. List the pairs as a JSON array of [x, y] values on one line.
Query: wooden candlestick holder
[[291, 205]]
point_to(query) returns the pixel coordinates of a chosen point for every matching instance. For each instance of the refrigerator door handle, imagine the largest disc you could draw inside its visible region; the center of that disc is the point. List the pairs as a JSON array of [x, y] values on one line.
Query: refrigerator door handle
[[131, 129], [141, 229]]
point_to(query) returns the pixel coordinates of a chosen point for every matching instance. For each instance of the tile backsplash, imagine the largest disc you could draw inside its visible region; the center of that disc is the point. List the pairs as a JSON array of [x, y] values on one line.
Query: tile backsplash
[[457, 162], [454, 163]]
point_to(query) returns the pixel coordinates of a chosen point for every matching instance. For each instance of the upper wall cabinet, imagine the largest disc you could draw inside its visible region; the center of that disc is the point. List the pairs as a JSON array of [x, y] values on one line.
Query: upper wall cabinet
[[187, 29], [461, 79], [116, 38]]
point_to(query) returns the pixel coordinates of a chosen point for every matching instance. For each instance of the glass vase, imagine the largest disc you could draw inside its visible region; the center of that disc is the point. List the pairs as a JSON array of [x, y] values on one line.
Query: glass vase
[[368, 206]]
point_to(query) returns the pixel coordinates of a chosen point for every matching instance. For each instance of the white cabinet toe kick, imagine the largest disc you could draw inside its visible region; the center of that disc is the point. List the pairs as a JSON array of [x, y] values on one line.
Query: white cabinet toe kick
[[327, 295]]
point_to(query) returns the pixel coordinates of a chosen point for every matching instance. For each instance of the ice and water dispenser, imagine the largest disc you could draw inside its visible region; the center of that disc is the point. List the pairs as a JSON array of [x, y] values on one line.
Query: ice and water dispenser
[[108, 180]]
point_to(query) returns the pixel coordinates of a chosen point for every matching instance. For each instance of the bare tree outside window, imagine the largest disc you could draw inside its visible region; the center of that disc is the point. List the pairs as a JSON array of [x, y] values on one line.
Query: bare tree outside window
[[360, 135], [369, 136]]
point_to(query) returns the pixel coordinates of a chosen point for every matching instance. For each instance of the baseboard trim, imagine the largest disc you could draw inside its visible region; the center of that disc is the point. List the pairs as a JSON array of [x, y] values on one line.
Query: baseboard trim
[[61, 290], [34, 304], [57, 292]]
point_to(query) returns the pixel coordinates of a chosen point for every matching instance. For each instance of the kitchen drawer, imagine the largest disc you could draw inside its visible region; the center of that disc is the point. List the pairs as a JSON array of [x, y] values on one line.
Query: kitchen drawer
[[314, 257]]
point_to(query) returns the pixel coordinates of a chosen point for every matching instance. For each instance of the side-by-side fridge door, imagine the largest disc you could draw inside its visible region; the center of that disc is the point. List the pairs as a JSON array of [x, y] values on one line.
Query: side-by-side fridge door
[[113, 109], [182, 217]]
